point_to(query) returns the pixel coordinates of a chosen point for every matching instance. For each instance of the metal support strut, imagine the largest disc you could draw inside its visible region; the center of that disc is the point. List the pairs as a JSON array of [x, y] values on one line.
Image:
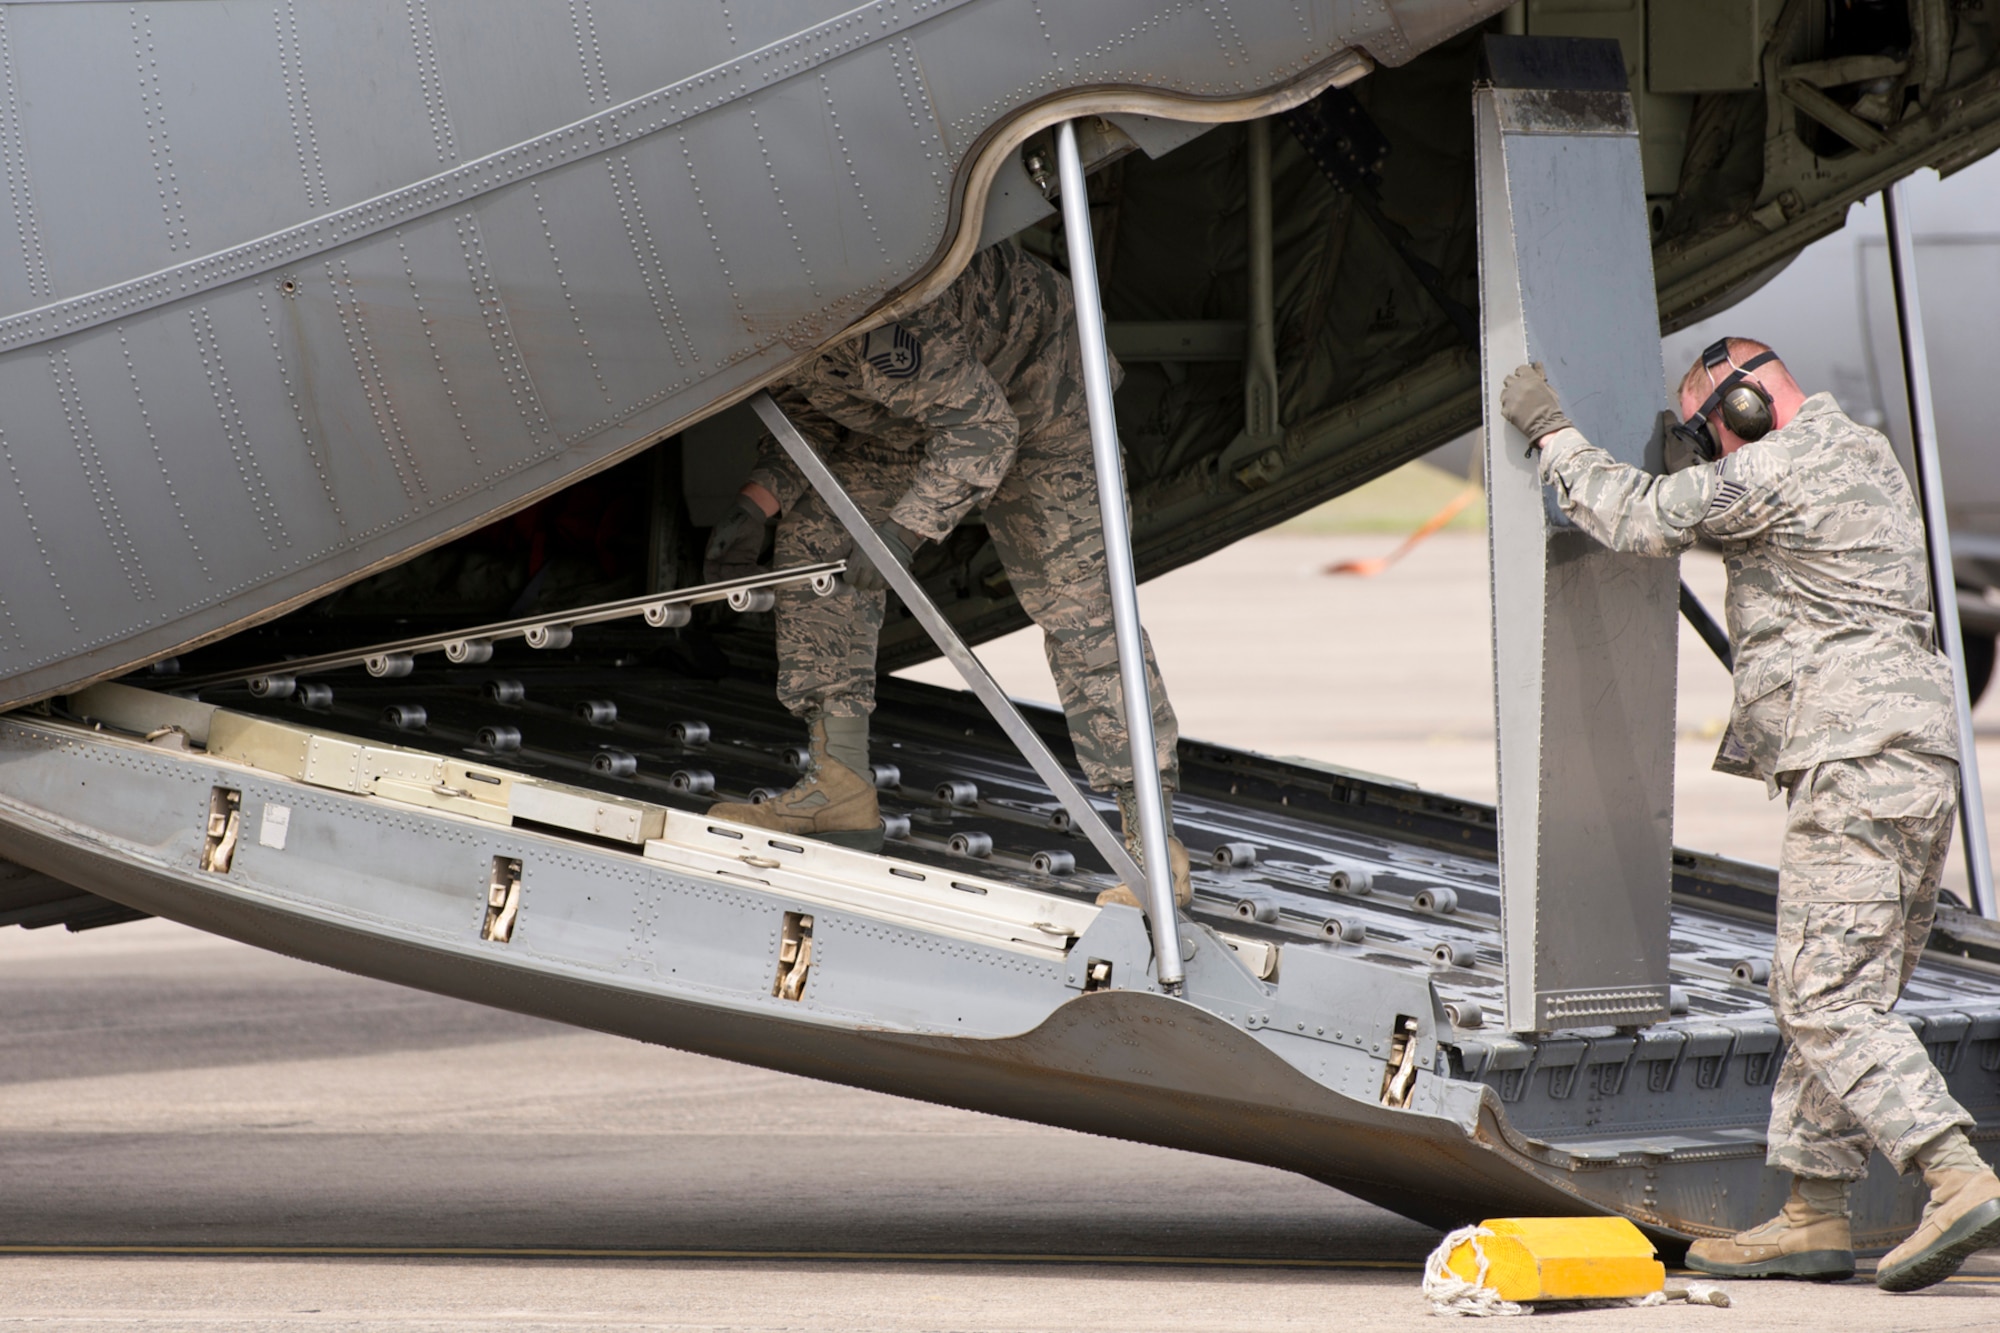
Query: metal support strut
[[1944, 587], [1248, 458], [1704, 624], [1260, 360], [1082, 814], [1159, 896]]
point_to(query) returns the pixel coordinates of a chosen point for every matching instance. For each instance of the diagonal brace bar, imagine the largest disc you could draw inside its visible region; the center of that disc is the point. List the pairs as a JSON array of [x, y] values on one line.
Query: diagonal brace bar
[[1081, 812], [1704, 624]]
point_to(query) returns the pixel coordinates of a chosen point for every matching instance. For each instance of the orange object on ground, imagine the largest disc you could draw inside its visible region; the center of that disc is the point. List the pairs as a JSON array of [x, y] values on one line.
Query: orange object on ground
[[1369, 568]]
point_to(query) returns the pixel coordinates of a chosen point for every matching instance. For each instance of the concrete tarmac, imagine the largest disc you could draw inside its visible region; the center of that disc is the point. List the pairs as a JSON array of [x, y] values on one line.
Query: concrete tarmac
[[195, 1135]]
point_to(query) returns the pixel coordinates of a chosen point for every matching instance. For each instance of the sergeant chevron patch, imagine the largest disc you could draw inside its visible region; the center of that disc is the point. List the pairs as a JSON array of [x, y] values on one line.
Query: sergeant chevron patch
[[1727, 493], [894, 351]]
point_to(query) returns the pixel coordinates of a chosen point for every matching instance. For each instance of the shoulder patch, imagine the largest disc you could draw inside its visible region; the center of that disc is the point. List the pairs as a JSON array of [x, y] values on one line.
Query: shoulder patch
[[894, 351], [1727, 493]]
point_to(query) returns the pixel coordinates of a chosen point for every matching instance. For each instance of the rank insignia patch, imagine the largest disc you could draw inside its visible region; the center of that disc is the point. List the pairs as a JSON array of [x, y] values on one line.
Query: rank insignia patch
[[895, 352], [1727, 493]]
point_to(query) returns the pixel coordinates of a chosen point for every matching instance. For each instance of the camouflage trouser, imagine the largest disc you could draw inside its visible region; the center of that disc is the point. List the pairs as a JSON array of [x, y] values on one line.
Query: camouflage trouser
[[1865, 845], [1045, 524]]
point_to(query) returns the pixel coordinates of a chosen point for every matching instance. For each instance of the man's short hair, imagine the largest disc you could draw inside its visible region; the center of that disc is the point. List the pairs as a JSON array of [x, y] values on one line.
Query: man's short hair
[[1697, 384]]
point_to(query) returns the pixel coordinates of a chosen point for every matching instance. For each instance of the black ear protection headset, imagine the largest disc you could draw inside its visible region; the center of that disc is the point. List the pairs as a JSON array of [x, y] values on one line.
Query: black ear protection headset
[[1745, 407]]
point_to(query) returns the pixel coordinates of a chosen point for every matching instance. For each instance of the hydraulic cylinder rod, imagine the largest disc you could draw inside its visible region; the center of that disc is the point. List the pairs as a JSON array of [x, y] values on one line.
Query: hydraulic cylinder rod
[[1159, 895], [1944, 587]]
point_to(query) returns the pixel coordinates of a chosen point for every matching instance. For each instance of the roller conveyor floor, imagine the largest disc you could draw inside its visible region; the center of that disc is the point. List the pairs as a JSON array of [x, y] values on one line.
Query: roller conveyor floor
[[1293, 851], [1341, 896]]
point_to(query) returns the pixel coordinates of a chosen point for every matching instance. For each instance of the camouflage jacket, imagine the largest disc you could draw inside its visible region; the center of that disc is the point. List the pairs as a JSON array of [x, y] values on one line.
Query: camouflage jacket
[[1829, 589], [991, 362]]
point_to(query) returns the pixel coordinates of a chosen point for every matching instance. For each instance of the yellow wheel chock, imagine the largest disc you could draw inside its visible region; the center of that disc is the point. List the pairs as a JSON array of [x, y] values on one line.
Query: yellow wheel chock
[[1561, 1259]]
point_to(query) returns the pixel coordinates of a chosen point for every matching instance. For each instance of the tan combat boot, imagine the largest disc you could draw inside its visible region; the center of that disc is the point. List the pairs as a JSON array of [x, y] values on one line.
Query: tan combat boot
[[1177, 858], [1177, 855], [834, 802], [1800, 1242], [1962, 1218]]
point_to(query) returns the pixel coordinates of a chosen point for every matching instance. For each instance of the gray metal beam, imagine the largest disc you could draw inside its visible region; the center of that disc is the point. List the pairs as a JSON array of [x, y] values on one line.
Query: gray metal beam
[[1583, 637], [1251, 458], [1260, 373], [1937, 527], [1119, 570]]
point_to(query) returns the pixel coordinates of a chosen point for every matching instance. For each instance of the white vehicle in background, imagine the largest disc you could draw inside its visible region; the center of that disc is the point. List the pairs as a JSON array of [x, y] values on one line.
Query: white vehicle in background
[[1831, 314]]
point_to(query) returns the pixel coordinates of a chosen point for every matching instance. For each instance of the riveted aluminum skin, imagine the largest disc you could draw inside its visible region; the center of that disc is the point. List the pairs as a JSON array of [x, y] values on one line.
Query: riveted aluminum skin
[[290, 292]]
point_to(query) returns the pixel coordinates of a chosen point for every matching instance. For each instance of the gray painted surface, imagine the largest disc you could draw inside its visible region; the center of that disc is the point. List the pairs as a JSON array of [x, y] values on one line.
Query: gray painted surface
[[1583, 638], [291, 291], [452, 348], [1665, 1124]]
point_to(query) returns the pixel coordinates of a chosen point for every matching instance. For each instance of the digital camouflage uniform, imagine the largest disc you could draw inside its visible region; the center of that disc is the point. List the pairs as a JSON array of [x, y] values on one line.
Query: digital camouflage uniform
[[1842, 701], [974, 400]]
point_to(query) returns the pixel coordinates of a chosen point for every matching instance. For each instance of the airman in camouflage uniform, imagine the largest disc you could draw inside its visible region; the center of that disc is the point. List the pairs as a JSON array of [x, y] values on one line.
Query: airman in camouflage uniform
[[975, 401], [1843, 703]]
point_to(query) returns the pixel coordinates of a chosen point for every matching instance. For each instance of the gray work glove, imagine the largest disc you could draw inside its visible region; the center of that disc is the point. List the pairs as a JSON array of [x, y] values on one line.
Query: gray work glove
[[735, 543], [862, 576], [1530, 405]]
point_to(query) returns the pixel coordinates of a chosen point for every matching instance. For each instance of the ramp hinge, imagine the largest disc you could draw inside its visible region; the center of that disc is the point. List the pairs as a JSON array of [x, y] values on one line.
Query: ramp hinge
[[795, 955], [1401, 1075], [503, 900], [225, 822]]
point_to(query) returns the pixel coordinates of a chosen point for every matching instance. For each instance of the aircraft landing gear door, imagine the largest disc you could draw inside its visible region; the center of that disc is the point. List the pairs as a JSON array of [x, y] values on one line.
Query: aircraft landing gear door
[[1583, 638]]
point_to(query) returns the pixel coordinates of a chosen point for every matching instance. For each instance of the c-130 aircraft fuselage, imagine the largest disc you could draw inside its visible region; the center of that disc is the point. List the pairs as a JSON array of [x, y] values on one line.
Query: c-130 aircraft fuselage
[[300, 296]]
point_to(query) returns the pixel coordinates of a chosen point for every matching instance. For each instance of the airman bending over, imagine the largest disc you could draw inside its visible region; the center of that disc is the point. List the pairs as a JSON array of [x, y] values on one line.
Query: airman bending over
[[973, 402]]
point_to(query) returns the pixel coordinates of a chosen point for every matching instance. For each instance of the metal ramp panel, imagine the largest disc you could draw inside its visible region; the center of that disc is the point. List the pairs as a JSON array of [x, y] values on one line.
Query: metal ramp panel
[[1281, 1052]]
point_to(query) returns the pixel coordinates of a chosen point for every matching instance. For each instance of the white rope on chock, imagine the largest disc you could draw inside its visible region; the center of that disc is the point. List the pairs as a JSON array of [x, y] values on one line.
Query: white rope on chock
[[1451, 1295]]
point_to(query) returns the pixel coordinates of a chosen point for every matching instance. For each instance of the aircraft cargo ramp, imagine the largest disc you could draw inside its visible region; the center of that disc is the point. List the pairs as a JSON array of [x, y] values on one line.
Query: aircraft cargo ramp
[[332, 287], [1343, 966]]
